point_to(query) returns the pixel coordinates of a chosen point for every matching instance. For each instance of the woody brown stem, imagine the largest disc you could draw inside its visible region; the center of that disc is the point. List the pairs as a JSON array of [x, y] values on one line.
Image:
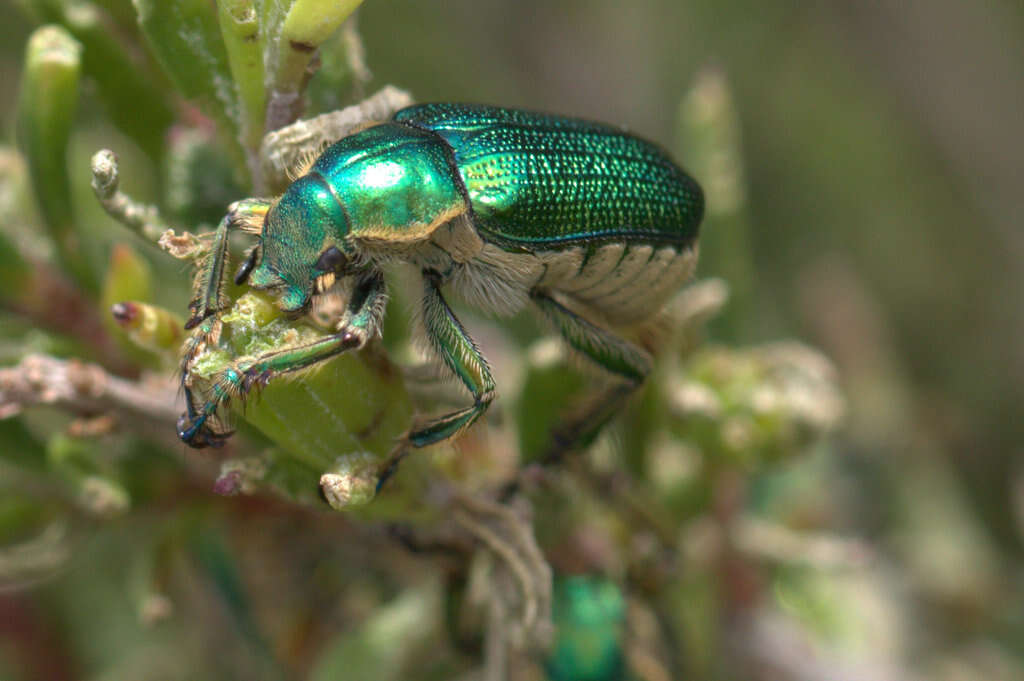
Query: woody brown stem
[[83, 388]]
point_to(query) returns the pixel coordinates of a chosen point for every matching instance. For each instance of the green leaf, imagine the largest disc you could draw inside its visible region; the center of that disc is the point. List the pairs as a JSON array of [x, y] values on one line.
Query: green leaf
[[240, 29], [354, 404], [290, 48], [185, 37], [46, 112], [134, 103]]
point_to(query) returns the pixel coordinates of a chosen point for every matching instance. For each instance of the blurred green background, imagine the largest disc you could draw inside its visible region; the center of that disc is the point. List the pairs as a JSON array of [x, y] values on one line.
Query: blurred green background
[[880, 221]]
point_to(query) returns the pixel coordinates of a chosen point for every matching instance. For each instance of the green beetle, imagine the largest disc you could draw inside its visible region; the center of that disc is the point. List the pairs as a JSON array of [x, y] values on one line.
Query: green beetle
[[595, 227]]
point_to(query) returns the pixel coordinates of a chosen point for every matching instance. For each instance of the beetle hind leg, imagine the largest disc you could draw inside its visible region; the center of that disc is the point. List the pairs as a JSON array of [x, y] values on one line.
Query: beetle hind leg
[[627, 362], [604, 348], [584, 421]]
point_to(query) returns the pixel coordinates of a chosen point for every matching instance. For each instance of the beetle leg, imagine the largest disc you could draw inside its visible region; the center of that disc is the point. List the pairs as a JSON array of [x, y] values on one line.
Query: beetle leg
[[193, 426], [453, 345], [607, 350], [208, 300], [361, 321], [245, 374], [208, 289], [616, 355], [364, 312], [583, 422]]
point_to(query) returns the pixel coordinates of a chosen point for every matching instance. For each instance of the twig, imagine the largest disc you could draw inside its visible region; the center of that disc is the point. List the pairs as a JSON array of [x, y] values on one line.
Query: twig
[[496, 641], [511, 559], [290, 48], [50, 301], [514, 544], [771, 645], [139, 217], [773, 542], [33, 560], [81, 388]]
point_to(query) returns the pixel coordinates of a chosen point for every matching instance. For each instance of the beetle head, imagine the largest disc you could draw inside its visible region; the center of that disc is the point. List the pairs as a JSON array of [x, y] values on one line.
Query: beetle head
[[303, 245]]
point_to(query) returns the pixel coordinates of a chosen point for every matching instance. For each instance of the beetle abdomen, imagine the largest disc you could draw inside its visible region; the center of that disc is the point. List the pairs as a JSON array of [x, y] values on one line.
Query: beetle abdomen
[[625, 284], [540, 181]]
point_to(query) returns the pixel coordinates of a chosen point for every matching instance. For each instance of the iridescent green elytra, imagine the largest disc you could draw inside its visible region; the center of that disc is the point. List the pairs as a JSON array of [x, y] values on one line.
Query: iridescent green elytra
[[595, 227]]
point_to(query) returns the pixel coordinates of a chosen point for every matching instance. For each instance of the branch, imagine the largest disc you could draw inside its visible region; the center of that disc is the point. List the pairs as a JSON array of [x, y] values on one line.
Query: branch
[[82, 388], [139, 217]]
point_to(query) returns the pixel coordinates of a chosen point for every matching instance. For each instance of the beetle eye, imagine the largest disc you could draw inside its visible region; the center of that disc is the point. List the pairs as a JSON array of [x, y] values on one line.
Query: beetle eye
[[246, 267], [331, 260]]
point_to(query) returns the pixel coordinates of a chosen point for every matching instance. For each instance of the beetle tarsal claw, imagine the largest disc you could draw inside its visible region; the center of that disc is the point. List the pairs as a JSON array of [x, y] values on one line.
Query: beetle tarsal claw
[[254, 378], [196, 433]]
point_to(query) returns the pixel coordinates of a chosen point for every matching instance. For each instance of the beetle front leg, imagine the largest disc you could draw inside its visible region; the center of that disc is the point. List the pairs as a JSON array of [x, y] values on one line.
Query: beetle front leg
[[208, 301], [453, 345], [360, 322], [208, 291], [245, 374], [208, 297]]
